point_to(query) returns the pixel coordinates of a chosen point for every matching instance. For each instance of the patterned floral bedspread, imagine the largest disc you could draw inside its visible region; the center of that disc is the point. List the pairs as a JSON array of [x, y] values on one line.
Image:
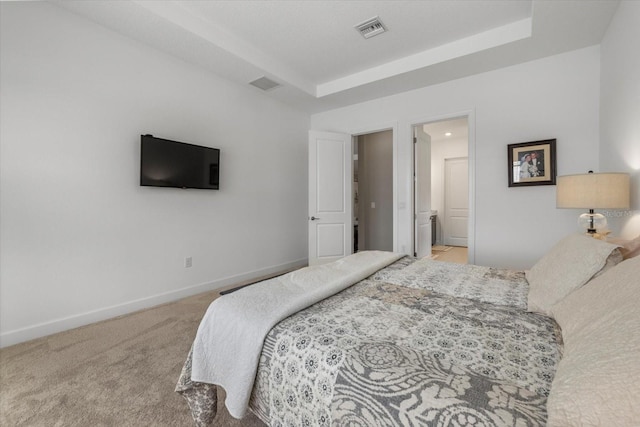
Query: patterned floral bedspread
[[398, 349], [487, 284]]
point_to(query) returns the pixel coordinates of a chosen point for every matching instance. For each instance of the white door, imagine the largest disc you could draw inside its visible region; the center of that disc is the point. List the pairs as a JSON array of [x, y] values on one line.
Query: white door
[[422, 191], [330, 217], [456, 201]]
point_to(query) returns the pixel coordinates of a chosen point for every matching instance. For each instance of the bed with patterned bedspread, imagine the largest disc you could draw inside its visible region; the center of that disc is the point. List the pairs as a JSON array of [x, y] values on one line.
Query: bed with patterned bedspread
[[420, 342]]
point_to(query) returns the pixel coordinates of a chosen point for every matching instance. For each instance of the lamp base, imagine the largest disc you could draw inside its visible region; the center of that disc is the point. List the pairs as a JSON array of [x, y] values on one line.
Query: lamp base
[[592, 222], [600, 234]]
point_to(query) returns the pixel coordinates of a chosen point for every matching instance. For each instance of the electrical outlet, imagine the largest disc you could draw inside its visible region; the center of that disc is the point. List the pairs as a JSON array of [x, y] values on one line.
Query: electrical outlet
[[188, 262]]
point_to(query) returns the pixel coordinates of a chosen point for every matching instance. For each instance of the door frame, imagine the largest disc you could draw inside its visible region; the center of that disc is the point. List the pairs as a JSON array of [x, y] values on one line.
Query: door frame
[[471, 154]]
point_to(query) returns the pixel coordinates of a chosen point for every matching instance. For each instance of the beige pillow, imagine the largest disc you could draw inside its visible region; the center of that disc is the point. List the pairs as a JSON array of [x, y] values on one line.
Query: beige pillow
[[571, 263], [598, 378], [629, 248]]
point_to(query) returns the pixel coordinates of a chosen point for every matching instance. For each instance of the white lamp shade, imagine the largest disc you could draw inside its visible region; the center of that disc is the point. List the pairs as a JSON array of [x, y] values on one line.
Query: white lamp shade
[[593, 191]]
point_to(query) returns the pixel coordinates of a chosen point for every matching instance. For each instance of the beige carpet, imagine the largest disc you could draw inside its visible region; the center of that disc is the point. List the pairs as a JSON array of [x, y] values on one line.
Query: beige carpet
[[120, 372]]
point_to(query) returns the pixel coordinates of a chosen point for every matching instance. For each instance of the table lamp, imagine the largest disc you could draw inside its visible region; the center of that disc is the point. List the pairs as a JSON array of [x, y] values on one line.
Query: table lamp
[[593, 191]]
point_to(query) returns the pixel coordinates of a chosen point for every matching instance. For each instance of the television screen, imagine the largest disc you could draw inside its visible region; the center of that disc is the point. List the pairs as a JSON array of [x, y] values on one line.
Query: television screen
[[166, 163]]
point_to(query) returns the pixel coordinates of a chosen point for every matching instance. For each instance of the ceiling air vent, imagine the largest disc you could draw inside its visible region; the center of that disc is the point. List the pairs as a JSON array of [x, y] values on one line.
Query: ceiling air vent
[[371, 27], [265, 83]]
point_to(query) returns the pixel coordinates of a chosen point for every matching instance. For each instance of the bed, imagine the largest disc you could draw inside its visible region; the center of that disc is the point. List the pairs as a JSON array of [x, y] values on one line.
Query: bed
[[382, 339]]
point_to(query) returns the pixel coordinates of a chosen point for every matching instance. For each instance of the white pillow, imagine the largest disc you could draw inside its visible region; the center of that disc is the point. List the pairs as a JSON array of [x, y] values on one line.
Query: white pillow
[[598, 377], [571, 263]]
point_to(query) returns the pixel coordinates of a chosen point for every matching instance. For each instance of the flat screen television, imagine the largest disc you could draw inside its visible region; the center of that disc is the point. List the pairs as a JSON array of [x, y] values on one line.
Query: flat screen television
[[166, 163]]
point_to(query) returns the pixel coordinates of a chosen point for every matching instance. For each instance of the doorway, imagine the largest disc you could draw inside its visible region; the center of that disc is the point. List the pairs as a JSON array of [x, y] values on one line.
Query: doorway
[[373, 191], [449, 185]]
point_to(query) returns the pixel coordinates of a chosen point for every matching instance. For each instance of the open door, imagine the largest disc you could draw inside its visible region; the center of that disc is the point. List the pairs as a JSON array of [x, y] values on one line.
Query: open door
[[330, 207], [422, 191]]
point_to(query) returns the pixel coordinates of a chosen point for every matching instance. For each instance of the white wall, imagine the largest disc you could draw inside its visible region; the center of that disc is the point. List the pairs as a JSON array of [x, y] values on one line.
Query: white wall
[[80, 239], [555, 97], [620, 110], [440, 151]]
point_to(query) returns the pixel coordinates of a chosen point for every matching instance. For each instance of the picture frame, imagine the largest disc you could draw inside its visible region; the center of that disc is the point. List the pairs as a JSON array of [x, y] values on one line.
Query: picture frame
[[540, 158]]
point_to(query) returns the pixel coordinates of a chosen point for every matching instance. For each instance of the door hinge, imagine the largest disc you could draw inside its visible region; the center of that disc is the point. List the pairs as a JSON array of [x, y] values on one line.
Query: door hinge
[[415, 140], [415, 254]]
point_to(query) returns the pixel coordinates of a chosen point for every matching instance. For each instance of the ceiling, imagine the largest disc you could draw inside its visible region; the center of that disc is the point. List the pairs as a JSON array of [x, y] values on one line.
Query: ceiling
[[447, 130], [313, 51]]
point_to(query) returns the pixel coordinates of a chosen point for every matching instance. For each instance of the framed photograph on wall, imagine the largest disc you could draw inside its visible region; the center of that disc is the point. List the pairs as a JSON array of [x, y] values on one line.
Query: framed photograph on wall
[[532, 163]]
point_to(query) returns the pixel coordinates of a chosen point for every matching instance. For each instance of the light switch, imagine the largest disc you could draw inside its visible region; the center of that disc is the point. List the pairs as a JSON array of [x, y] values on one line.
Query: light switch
[[373, 205]]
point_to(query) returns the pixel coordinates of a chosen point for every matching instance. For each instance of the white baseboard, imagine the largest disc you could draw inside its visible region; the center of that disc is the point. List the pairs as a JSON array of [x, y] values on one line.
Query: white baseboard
[[59, 325]]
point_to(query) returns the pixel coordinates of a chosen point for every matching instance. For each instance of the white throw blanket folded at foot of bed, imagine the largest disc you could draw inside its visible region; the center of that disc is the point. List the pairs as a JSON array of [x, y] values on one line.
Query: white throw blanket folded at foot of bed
[[229, 341]]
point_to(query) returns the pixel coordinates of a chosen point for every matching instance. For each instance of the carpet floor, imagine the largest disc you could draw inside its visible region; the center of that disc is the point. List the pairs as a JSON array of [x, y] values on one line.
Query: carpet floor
[[119, 372]]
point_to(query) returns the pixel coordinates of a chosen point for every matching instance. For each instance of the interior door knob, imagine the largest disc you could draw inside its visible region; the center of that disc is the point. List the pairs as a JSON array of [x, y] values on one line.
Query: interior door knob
[[313, 218]]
